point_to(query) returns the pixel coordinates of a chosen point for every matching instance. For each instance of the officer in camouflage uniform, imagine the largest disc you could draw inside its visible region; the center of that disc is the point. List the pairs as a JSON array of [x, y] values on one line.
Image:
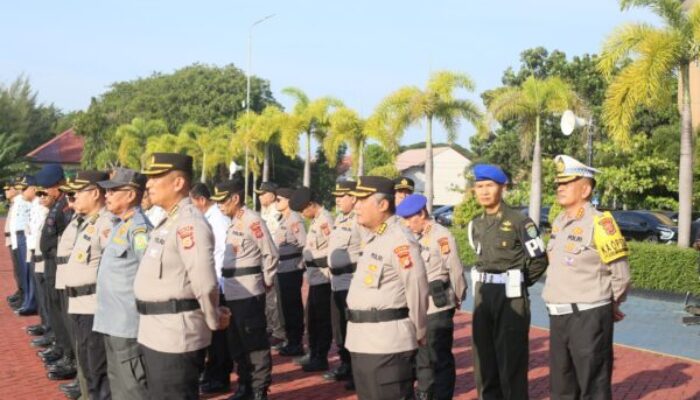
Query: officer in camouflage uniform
[[510, 258]]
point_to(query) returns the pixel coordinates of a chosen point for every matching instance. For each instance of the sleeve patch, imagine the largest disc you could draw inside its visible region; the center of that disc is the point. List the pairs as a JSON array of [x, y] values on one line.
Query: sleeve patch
[[609, 242], [256, 229], [404, 255], [326, 229], [140, 240], [186, 235], [444, 245], [531, 230]]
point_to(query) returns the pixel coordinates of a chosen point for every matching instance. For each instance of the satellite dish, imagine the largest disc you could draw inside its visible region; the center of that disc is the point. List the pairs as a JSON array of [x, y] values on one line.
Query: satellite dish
[[569, 122]]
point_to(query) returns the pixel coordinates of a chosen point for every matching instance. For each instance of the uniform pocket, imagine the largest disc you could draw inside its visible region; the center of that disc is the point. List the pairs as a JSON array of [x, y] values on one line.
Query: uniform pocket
[[131, 364]]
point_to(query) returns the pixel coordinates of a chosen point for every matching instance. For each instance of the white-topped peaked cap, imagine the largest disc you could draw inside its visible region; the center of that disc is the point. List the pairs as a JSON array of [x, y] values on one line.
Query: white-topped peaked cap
[[569, 168]]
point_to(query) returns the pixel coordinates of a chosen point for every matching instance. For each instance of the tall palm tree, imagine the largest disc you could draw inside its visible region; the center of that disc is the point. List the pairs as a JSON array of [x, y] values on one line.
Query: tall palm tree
[[208, 147], [533, 100], [436, 103], [309, 117], [268, 130], [132, 139], [659, 55]]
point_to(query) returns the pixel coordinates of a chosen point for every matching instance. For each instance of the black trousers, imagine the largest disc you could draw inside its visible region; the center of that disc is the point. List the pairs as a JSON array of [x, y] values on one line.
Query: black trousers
[[172, 376], [42, 306], [69, 324], [341, 304], [55, 300], [218, 365], [501, 328], [16, 269], [292, 306], [435, 363], [383, 376], [125, 368], [581, 354], [248, 342], [320, 325], [90, 349]]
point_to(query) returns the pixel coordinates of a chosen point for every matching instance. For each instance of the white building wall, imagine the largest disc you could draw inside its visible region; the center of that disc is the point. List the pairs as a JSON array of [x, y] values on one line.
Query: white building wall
[[449, 167]]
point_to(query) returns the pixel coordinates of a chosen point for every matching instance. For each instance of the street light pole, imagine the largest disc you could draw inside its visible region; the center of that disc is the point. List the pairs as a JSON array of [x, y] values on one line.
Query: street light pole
[[247, 95]]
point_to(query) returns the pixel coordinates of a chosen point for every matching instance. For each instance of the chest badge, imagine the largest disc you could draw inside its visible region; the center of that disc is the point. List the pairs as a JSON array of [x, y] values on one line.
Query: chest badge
[[506, 226]]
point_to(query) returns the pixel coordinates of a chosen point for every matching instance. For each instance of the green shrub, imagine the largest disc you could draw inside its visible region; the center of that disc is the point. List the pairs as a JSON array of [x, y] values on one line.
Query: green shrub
[[465, 211]]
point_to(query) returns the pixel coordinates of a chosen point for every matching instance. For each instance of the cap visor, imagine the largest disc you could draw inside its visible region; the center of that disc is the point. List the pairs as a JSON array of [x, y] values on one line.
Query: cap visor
[[340, 193], [360, 194], [218, 198], [566, 178], [401, 187], [111, 184], [155, 171]]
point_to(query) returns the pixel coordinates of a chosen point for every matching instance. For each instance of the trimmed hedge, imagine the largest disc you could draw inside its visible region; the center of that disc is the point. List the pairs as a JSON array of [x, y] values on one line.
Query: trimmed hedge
[[654, 266]]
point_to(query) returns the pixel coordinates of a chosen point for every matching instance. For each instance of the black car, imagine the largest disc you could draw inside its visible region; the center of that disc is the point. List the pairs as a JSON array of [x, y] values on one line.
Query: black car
[[443, 215], [647, 226]]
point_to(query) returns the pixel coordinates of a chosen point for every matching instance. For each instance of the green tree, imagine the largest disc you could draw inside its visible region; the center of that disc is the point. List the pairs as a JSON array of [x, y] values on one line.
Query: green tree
[[527, 105], [310, 118], [132, 138], [657, 54], [436, 103], [208, 147]]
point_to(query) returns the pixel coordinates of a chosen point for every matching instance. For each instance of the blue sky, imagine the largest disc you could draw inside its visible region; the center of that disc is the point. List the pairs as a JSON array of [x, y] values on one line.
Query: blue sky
[[358, 51]]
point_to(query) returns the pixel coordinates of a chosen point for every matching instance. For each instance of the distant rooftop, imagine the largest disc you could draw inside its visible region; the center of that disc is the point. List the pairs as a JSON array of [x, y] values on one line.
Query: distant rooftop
[[65, 148], [415, 157]]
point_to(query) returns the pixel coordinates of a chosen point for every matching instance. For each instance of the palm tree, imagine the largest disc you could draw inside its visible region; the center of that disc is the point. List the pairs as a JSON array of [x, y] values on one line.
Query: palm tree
[[533, 100], [267, 129], [132, 139], [309, 117], [208, 147], [411, 105], [658, 56]]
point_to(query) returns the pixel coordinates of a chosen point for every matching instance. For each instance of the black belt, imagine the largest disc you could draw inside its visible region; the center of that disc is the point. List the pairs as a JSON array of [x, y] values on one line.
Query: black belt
[[243, 271], [290, 256], [37, 258], [81, 290], [166, 307], [317, 263], [348, 269], [62, 260], [374, 315]]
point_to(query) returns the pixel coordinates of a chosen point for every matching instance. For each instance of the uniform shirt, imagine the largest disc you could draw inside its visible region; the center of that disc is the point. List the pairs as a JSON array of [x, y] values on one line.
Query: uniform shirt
[[65, 247], [577, 273], [37, 216], [219, 224], [179, 264], [290, 237], [20, 218], [155, 215], [38, 256], [116, 313], [271, 217], [346, 235], [8, 222], [441, 257], [81, 271], [249, 244], [316, 247], [508, 240], [56, 221], [390, 274]]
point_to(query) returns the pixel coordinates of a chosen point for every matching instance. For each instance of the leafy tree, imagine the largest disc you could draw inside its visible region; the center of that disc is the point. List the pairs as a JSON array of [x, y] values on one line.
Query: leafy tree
[[657, 55], [376, 155], [436, 103], [132, 138], [208, 147], [324, 176]]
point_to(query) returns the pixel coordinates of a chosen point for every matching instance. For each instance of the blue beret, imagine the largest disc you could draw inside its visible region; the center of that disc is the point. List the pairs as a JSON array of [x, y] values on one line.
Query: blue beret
[[49, 175], [411, 205], [488, 172]]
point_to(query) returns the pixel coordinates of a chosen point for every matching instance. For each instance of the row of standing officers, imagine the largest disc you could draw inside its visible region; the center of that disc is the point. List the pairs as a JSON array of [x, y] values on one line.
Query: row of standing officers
[[147, 307]]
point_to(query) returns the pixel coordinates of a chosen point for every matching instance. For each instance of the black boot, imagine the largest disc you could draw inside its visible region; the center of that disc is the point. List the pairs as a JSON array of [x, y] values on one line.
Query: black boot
[[36, 330], [73, 394], [72, 385], [62, 373], [260, 394], [303, 359], [50, 354], [316, 364], [214, 386], [244, 392], [42, 341], [292, 350], [423, 395], [341, 373]]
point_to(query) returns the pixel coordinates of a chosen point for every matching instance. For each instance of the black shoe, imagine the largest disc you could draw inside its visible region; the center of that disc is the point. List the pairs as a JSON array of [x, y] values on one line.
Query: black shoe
[[213, 387], [16, 305], [63, 362], [72, 385], [260, 394], [42, 341], [73, 394], [13, 297], [63, 373], [350, 385], [36, 330], [51, 355], [279, 345], [25, 312], [303, 359], [341, 373], [315, 365], [423, 395], [292, 350], [243, 392]]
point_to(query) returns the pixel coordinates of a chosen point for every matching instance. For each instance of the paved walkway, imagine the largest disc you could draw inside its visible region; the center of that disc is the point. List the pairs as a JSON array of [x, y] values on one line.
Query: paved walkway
[[638, 374]]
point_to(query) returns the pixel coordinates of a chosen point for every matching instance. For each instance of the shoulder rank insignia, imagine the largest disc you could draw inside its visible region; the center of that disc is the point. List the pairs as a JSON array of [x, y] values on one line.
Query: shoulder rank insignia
[[444, 245], [609, 242], [382, 228], [186, 235], [404, 255], [506, 226], [256, 229]]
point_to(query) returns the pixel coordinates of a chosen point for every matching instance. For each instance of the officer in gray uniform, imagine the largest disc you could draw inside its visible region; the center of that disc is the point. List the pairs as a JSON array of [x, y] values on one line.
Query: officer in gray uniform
[[318, 301], [249, 268], [290, 237], [435, 363], [510, 258], [388, 298], [177, 293], [588, 279], [116, 317], [343, 253]]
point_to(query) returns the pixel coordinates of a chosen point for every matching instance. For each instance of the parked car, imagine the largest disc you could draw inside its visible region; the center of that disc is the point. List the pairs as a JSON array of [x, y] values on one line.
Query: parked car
[[645, 225], [443, 215], [674, 215]]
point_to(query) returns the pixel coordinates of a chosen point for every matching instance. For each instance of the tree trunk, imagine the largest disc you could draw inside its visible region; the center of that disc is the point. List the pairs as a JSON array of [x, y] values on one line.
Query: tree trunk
[[429, 165], [245, 176], [203, 178], [361, 159], [536, 179], [685, 166], [266, 163], [255, 195], [307, 162]]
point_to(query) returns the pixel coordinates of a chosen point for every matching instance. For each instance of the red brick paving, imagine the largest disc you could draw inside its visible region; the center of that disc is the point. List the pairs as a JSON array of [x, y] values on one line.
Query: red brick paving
[[638, 374]]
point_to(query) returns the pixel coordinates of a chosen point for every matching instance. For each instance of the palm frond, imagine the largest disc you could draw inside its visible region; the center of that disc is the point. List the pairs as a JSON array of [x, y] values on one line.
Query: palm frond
[[625, 40], [671, 11], [301, 99]]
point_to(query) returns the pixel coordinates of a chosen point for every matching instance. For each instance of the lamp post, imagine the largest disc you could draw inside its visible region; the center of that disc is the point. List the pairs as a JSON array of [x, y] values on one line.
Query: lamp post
[[247, 95]]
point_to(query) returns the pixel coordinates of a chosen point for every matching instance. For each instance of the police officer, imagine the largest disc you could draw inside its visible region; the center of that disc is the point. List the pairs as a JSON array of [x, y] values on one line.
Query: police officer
[[19, 225], [249, 268], [403, 187], [217, 369], [435, 363], [177, 293], [15, 299], [588, 279], [81, 278], [116, 317], [36, 222], [318, 277], [510, 257], [272, 217], [388, 298], [343, 253], [290, 237]]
